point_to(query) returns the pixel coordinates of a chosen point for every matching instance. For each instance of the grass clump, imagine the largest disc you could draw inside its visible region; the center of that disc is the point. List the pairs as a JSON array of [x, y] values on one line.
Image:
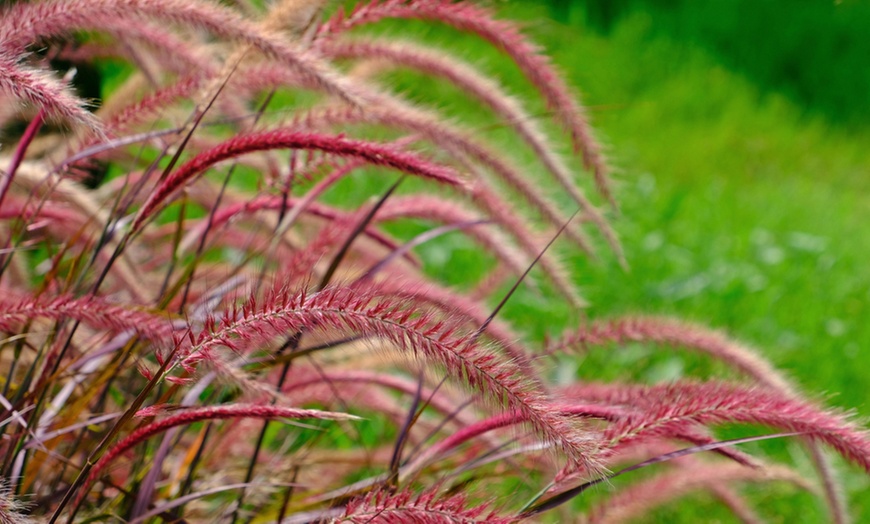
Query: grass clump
[[197, 319]]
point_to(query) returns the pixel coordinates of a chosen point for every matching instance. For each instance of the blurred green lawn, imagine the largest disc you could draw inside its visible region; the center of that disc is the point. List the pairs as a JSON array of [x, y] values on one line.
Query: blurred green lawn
[[741, 209]]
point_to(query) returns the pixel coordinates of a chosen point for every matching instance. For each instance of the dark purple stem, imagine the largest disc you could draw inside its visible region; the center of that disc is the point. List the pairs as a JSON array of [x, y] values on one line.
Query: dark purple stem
[[29, 134]]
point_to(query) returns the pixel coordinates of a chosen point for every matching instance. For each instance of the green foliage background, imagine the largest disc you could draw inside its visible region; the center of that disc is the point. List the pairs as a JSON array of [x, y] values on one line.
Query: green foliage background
[[814, 51]]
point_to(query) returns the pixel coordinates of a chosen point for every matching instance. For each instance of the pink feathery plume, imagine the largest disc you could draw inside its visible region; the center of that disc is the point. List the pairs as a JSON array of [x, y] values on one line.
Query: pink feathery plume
[[373, 153], [412, 330], [679, 333], [382, 507], [662, 411], [189, 416], [24, 23], [94, 311], [41, 89]]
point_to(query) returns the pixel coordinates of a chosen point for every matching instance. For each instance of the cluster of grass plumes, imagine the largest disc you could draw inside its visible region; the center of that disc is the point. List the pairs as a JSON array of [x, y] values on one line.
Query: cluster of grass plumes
[[191, 330]]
